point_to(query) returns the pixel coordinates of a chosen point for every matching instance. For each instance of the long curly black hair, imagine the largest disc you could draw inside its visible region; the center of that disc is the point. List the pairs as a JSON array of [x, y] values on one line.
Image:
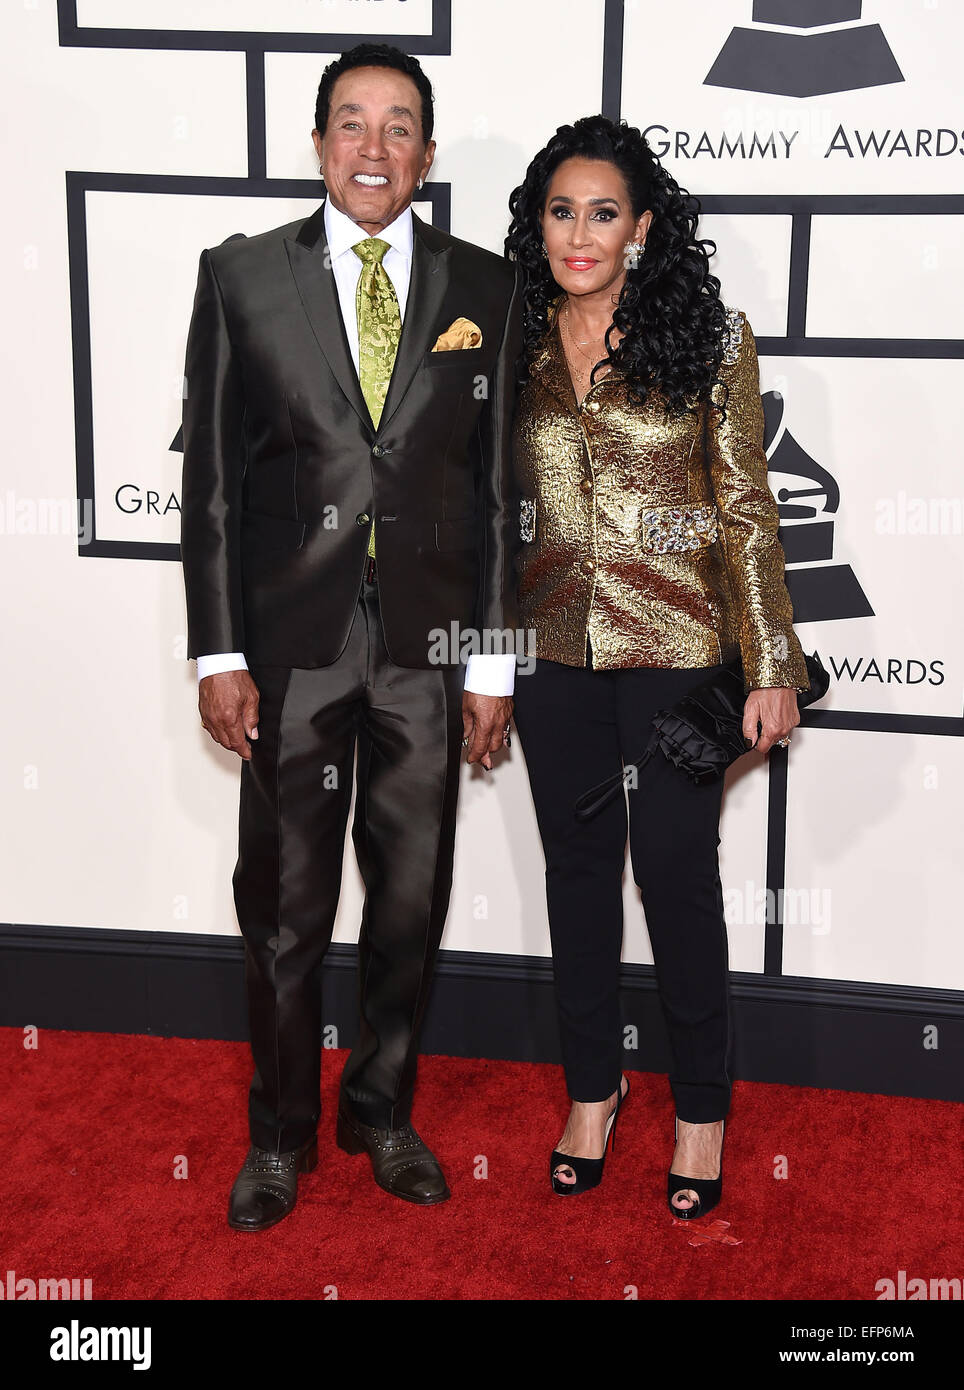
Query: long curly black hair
[[669, 310]]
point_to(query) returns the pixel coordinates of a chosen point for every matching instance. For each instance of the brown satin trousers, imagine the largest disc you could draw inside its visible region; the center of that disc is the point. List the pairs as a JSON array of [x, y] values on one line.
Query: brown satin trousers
[[295, 796]]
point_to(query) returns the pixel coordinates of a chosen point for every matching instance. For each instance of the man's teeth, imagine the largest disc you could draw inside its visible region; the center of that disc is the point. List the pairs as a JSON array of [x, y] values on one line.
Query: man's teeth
[[371, 180]]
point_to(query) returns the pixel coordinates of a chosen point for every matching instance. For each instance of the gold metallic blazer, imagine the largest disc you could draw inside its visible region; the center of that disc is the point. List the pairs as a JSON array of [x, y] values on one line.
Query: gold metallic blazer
[[655, 537]]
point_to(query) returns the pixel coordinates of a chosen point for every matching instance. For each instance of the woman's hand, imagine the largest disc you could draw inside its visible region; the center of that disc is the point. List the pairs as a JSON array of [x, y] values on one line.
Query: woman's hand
[[776, 709]]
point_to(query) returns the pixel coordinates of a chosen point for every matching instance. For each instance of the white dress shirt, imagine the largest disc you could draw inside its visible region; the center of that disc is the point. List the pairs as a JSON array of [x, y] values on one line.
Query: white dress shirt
[[484, 675]]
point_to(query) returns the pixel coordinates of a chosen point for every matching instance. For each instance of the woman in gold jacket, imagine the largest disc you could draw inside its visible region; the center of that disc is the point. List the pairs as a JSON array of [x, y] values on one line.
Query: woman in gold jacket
[[649, 558]]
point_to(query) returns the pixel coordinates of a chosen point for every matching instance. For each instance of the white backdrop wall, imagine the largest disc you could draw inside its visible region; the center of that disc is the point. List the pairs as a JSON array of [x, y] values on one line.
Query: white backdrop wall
[[140, 131]]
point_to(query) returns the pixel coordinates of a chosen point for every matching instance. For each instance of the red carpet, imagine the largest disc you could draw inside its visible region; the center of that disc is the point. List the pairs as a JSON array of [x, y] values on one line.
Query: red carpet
[[95, 1124]]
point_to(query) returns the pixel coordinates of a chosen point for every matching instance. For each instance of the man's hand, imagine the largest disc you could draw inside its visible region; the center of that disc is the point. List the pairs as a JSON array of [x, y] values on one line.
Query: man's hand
[[776, 708], [228, 703], [484, 720]]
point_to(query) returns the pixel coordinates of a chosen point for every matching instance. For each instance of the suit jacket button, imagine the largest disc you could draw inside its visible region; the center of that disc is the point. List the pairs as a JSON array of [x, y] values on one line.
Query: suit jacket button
[[592, 406], [377, 451], [362, 519], [586, 484], [588, 566]]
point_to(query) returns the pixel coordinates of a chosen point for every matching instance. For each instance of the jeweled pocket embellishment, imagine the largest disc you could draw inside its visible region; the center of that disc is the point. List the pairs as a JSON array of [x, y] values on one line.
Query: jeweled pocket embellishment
[[734, 337], [527, 518], [667, 529]]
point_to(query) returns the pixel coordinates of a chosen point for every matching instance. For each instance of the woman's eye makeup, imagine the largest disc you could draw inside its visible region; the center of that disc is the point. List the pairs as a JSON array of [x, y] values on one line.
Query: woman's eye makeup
[[560, 210]]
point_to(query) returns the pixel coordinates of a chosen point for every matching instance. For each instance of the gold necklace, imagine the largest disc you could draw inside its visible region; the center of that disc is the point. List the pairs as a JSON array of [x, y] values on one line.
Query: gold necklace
[[583, 374], [579, 346]]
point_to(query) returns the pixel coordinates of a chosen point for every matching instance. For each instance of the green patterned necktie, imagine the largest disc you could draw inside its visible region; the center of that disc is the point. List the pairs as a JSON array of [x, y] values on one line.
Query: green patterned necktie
[[379, 329]]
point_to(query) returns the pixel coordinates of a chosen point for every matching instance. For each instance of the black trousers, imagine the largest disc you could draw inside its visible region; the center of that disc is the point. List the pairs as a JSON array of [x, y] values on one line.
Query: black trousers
[[295, 795], [577, 725]]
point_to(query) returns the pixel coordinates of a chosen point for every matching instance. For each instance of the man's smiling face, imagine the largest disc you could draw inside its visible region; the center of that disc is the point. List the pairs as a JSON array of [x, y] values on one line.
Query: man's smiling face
[[372, 148]]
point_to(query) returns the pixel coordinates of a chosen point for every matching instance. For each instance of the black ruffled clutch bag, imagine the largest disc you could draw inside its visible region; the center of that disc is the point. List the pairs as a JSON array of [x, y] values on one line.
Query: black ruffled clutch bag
[[702, 733]]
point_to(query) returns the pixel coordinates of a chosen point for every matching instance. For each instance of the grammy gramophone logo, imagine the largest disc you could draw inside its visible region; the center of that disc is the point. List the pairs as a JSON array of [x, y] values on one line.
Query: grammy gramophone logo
[[805, 65], [820, 592]]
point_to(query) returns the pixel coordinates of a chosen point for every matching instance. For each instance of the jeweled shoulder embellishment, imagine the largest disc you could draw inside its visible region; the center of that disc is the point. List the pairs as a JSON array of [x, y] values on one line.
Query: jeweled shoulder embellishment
[[734, 336], [527, 518], [667, 529]]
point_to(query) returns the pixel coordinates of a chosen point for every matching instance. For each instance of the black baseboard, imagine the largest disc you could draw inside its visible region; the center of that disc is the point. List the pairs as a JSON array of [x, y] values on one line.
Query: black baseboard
[[827, 1033]]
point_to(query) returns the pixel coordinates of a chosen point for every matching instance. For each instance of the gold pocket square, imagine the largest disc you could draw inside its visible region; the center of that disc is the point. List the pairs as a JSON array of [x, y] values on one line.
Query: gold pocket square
[[463, 333]]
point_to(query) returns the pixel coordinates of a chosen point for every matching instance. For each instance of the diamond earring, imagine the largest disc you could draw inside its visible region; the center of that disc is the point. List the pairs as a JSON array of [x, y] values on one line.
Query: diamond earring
[[633, 251]]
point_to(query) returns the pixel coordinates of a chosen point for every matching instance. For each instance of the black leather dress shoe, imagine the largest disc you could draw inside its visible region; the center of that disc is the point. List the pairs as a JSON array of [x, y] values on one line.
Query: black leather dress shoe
[[402, 1163], [266, 1188]]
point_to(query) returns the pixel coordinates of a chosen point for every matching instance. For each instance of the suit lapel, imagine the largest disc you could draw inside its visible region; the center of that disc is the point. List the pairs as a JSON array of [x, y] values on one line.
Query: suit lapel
[[550, 365], [313, 275], [319, 297], [431, 252]]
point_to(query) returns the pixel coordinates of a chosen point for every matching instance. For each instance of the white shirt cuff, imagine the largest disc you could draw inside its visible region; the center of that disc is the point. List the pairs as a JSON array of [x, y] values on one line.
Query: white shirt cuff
[[220, 661], [493, 674], [484, 675]]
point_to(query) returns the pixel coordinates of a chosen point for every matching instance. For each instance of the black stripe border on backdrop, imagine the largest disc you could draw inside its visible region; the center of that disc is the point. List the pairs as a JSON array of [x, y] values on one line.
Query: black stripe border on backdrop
[[72, 35], [840, 1034], [79, 184]]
